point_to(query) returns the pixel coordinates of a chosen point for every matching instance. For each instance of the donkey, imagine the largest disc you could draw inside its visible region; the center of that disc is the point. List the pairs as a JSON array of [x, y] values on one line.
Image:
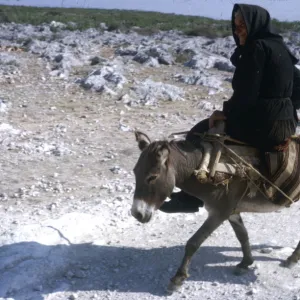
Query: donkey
[[163, 165]]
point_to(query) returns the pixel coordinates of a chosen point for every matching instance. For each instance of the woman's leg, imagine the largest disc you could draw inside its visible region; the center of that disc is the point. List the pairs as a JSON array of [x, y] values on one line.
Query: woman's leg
[[200, 127]]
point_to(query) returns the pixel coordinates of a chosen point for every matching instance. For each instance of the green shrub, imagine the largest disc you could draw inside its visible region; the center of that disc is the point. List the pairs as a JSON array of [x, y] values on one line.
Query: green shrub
[[146, 31], [183, 57], [113, 26], [148, 22]]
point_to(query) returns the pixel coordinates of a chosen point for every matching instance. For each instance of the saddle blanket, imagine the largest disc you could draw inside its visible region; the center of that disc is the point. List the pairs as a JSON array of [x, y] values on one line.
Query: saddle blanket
[[284, 172], [281, 168]]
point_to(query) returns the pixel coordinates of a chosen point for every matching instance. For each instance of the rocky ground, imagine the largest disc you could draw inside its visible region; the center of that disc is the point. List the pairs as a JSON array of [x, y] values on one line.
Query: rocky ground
[[68, 105]]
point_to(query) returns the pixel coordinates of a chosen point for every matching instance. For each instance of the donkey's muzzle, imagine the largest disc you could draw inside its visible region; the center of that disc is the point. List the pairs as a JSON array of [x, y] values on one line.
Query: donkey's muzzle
[[141, 211]]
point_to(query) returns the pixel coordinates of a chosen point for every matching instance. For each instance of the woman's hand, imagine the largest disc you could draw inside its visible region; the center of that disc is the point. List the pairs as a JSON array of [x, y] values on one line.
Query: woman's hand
[[216, 116]]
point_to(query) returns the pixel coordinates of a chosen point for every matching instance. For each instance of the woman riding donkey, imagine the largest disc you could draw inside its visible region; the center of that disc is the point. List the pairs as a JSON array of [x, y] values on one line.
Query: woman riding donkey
[[260, 111]]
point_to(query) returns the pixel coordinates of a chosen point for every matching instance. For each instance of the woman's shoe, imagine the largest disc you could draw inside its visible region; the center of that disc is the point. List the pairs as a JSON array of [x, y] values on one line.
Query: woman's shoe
[[181, 202]]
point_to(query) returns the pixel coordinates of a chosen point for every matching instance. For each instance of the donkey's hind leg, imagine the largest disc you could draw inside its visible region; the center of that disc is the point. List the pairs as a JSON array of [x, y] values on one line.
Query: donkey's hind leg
[[294, 258], [242, 235], [209, 226]]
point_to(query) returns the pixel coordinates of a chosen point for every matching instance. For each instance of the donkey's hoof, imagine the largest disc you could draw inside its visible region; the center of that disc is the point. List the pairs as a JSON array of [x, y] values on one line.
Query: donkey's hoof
[[289, 264], [176, 282], [239, 271], [172, 287]]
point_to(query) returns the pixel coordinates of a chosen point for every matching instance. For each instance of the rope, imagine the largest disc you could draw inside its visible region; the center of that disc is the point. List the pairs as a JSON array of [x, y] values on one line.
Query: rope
[[243, 195], [172, 135], [251, 180], [228, 138], [257, 172]]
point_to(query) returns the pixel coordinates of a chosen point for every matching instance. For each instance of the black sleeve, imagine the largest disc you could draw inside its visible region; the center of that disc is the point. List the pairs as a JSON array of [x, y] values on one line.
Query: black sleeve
[[247, 79], [296, 88]]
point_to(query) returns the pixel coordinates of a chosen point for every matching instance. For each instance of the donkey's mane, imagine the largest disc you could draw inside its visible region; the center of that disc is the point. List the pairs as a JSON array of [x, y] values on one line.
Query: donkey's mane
[[158, 145], [179, 145], [183, 146]]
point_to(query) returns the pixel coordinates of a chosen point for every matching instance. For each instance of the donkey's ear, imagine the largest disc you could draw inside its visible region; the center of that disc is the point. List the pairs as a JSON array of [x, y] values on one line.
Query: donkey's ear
[[142, 139], [163, 154]]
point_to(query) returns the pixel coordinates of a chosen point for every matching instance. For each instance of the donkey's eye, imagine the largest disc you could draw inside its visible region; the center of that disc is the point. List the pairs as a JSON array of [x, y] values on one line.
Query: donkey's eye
[[151, 178]]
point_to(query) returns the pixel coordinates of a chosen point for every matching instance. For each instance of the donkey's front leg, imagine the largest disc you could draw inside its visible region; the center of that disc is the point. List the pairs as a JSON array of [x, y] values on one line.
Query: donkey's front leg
[[241, 233], [210, 224], [294, 258]]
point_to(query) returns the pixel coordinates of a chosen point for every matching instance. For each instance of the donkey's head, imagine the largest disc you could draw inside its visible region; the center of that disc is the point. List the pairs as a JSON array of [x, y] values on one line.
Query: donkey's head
[[154, 177]]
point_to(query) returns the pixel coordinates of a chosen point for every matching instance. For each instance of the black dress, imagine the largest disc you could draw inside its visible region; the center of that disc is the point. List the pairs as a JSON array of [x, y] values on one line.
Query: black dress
[[260, 110]]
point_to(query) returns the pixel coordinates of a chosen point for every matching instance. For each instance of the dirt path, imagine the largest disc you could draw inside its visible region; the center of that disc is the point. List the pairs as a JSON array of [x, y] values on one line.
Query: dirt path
[[66, 189]]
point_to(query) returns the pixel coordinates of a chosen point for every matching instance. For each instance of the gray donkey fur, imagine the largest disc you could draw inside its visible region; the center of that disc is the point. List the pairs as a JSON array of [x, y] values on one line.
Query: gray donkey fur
[[163, 165]]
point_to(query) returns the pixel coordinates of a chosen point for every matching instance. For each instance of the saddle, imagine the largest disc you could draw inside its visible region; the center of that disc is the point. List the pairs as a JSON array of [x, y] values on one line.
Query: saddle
[[222, 154], [225, 158], [276, 175]]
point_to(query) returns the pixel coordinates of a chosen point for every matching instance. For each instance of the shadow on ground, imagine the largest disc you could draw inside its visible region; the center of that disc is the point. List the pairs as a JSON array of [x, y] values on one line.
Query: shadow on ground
[[34, 269]]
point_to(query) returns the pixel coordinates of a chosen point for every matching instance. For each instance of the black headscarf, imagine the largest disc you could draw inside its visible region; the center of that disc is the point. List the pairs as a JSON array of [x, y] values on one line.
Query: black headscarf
[[258, 23]]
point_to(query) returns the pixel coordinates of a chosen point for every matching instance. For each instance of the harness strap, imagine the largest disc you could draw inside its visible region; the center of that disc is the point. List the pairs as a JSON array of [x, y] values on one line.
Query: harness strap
[[256, 171]]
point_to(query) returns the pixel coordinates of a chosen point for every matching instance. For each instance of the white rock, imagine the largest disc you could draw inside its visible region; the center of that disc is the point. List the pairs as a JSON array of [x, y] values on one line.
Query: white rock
[[150, 92]]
